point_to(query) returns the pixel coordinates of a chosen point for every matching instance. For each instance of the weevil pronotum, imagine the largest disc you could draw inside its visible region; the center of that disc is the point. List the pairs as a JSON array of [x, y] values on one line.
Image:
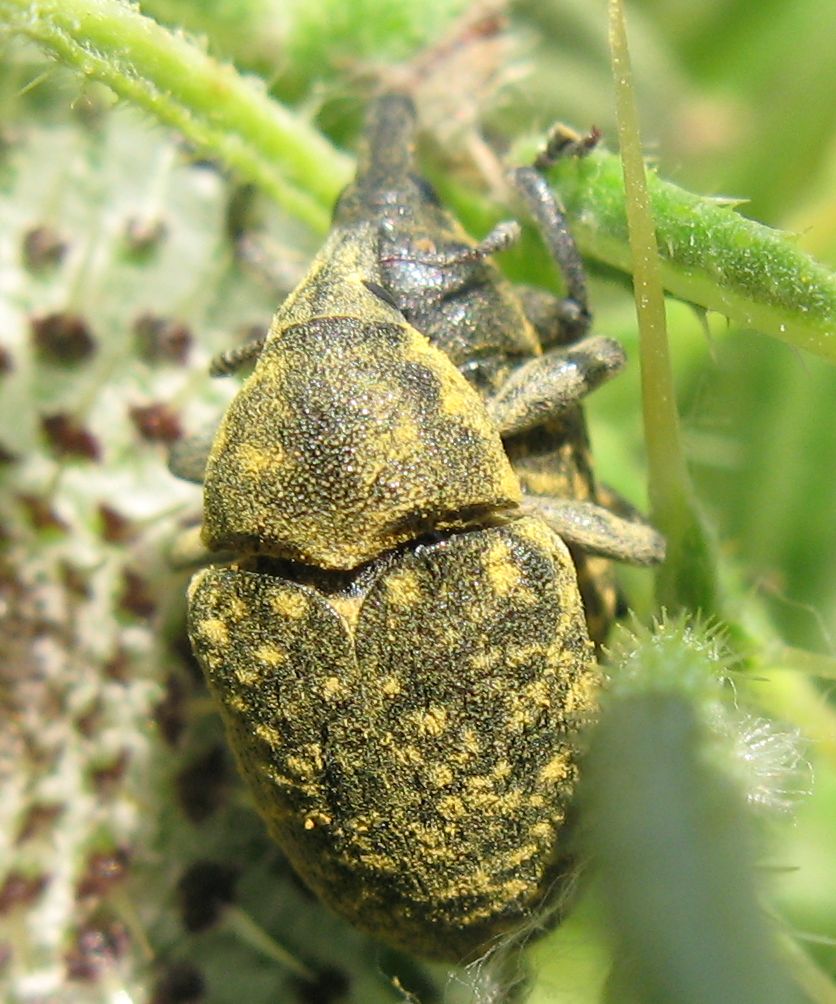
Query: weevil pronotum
[[399, 646]]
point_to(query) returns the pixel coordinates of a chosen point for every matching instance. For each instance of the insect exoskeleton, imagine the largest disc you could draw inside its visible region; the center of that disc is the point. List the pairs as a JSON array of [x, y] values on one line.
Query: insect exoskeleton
[[353, 434], [399, 648], [410, 738]]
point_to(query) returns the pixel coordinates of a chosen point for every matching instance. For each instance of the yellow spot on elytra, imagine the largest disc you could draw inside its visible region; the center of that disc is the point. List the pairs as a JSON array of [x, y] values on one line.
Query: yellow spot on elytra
[[524, 853], [214, 630], [314, 819], [269, 735], [403, 589], [289, 603], [247, 675], [237, 703], [490, 803], [538, 693], [501, 770], [520, 714], [390, 685], [332, 687], [433, 721], [470, 741], [301, 768], [557, 769], [584, 694], [484, 661], [529, 655], [480, 880], [543, 832], [271, 654], [452, 807], [279, 779], [406, 754], [236, 608], [514, 888], [253, 460], [440, 775], [461, 759]]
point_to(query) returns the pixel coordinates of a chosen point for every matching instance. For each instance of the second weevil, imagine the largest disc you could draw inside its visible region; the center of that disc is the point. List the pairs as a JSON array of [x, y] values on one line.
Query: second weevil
[[399, 647]]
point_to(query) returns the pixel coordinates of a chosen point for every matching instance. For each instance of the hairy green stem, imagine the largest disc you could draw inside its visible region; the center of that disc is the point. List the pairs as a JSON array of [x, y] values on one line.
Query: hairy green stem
[[170, 77], [710, 254], [669, 831]]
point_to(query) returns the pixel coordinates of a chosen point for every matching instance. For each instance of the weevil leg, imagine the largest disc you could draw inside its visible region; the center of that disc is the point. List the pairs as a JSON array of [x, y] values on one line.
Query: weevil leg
[[557, 321], [551, 220], [233, 359], [187, 457], [503, 236], [565, 142], [599, 531], [616, 503], [545, 387]]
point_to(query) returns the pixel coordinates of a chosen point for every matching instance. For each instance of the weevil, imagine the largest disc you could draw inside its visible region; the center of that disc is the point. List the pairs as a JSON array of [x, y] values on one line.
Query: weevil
[[398, 646]]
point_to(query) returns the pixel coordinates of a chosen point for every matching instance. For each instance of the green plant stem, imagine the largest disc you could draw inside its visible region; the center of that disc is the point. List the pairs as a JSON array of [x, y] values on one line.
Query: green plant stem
[[801, 660], [168, 76], [811, 978], [668, 828], [686, 579], [710, 254], [676, 861], [662, 431]]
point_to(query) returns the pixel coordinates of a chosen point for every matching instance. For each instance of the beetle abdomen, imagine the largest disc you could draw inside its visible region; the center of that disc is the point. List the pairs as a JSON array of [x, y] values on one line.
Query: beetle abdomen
[[414, 760]]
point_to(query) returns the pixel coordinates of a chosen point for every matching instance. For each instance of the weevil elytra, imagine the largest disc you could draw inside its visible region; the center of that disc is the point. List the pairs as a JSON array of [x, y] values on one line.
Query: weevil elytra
[[399, 647]]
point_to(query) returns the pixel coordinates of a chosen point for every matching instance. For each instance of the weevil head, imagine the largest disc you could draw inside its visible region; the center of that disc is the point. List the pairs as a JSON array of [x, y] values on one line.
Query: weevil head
[[353, 433], [458, 299]]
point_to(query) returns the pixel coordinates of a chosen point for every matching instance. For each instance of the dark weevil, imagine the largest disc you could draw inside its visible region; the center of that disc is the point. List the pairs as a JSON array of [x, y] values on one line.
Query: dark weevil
[[399, 645]]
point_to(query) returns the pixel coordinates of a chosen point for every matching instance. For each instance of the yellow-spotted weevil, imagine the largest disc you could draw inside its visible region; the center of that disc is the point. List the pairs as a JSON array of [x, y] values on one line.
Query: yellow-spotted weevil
[[398, 645]]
